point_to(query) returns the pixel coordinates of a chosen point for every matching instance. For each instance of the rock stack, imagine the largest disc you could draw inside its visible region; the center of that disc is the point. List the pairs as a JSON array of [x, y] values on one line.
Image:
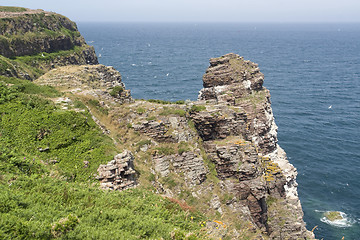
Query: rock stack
[[119, 173]]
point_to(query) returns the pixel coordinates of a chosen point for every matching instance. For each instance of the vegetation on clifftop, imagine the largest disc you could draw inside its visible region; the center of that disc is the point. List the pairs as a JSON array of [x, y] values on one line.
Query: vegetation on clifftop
[[47, 192], [33, 66], [11, 9]]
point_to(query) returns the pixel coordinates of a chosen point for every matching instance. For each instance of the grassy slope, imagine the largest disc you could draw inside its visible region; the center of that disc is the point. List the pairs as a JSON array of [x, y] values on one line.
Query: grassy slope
[[42, 201]]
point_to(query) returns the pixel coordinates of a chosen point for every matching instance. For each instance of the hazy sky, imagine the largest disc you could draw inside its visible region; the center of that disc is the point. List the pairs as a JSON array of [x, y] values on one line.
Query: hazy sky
[[200, 10]]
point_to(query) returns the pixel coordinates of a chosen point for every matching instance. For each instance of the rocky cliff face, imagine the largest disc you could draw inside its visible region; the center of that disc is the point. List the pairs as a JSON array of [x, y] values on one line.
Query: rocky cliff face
[[219, 154], [34, 41], [240, 136]]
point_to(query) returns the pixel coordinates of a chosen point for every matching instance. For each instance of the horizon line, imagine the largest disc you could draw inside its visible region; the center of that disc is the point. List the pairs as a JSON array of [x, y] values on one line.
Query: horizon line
[[217, 22]]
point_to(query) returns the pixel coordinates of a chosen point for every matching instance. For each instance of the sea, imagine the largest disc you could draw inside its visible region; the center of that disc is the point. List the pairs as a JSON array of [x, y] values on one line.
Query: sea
[[312, 71]]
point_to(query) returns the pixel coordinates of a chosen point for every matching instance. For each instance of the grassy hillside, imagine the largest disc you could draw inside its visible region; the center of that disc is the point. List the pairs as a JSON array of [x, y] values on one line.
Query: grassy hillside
[[47, 192]]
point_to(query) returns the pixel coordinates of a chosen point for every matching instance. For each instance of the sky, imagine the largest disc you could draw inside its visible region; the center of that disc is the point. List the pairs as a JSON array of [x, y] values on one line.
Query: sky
[[199, 10]]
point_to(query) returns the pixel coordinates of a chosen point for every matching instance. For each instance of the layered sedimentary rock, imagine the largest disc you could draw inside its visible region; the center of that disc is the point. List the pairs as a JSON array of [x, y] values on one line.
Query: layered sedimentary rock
[[118, 174], [241, 139], [234, 126], [190, 164], [29, 39]]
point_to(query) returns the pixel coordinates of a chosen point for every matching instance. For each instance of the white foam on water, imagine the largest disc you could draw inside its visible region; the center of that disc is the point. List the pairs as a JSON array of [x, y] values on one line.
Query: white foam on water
[[341, 223]]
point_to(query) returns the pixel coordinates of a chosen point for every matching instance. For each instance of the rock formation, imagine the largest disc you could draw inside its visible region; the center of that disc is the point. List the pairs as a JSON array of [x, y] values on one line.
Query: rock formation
[[221, 150], [118, 174], [93, 80], [240, 136]]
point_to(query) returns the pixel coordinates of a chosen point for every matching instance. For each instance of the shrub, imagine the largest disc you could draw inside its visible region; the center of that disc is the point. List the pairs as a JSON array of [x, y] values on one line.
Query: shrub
[[159, 101], [172, 111], [152, 118], [180, 102], [165, 150], [64, 225], [142, 143], [165, 102], [197, 108], [140, 110], [116, 91], [183, 147]]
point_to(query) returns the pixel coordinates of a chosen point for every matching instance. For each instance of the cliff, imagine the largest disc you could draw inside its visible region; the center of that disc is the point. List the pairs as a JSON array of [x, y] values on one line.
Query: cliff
[[35, 41], [219, 154], [217, 159]]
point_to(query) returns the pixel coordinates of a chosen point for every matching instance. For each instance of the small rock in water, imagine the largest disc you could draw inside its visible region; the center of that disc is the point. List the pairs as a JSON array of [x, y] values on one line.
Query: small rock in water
[[337, 219], [333, 215]]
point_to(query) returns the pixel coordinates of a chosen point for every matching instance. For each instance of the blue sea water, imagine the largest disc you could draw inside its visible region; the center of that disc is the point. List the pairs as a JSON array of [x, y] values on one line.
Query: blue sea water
[[307, 67]]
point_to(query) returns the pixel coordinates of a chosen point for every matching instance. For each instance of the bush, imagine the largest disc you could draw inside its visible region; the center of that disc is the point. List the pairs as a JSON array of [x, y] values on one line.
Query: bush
[[64, 225], [142, 143], [116, 91], [140, 110], [165, 150], [183, 147], [197, 108], [172, 111], [165, 102]]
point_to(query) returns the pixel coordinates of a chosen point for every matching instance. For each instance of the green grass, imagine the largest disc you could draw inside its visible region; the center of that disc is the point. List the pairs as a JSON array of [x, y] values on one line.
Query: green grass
[[116, 91], [165, 102], [39, 200], [165, 150], [29, 122], [183, 147], [11, 9], [143, 143], [197, 108], [44, 56], [27, 87], [33, 207], [96, 104], [140, 110], [172, 111]]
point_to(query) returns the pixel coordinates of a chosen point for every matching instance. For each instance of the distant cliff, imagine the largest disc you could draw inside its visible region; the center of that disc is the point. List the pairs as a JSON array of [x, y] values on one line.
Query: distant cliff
[[34, 41]]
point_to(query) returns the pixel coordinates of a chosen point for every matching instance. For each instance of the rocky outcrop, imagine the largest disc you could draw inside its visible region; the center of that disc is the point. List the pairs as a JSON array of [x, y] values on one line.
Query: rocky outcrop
[[94, 80], [118, 174], [240, 136], [230, 74], [189, 163], [166, 129]]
